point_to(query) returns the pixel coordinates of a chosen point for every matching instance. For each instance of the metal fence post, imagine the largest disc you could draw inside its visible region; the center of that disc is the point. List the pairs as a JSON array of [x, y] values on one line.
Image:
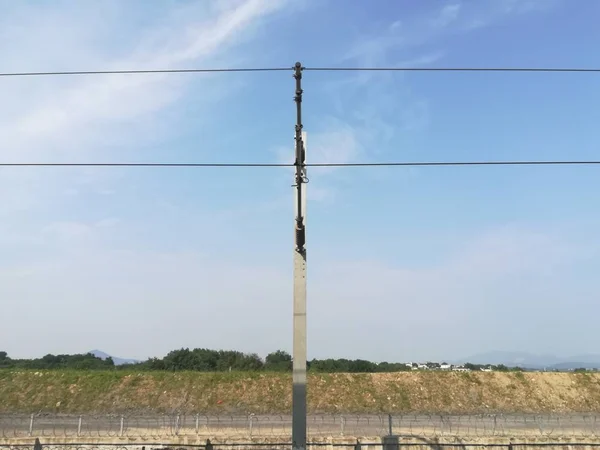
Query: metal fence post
[[390, 443], [250, 423], [31, 418], [122, 426], [197, 423], [208, 445], [342, 425], [390, 425], [79, 427], [177, 425]]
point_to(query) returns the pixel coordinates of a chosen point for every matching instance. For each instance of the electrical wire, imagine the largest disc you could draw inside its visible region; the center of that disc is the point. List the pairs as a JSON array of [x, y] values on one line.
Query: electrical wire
[[141, 71], [457, 163], [358, 164], [453, 69], [314, 69]]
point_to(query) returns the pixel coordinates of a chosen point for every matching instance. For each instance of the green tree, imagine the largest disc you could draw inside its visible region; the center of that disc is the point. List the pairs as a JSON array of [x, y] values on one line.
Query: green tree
[[279, 361], [362, 366], [330, 365], [155, 364], [398, 367], [280, 356], [5, 361], [182, 359], [473, 366], [206, 360]]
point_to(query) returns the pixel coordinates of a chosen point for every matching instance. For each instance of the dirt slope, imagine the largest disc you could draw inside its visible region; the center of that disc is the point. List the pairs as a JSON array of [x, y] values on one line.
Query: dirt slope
[[115, 391]]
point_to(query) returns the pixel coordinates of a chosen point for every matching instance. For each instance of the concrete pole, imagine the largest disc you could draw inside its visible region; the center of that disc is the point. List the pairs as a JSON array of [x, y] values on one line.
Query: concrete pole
[[299, 350], [299, 357]]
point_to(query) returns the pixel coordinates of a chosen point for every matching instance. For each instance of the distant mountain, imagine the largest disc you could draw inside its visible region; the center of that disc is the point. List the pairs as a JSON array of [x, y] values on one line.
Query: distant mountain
[[533, 361], [574, 365], [118, 361]]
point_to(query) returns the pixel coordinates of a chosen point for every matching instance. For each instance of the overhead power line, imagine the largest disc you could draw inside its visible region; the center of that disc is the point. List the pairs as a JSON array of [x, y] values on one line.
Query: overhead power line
[[456, 163], [141, 71], [319, 69], [357, 164], [452, 69]]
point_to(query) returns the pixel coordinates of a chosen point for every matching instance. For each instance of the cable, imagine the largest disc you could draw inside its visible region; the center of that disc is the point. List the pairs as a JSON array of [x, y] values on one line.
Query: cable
[[374, 164], [452, 69], [314, 69], [145, 165], [142, 71], [457, 163]]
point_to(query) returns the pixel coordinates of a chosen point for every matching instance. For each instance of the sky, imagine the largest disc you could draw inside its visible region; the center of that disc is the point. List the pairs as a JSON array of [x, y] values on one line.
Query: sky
[[421, 263]]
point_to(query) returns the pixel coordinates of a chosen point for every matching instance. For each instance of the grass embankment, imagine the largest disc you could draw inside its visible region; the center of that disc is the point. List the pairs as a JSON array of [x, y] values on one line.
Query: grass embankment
[[261, 393]]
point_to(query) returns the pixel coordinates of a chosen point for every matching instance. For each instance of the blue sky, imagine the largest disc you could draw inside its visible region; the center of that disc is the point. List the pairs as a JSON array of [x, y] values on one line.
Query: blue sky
[[404, 263]]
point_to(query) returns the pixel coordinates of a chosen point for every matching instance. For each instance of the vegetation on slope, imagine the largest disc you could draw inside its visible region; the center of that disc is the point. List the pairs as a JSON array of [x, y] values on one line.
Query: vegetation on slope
[[100, 392]]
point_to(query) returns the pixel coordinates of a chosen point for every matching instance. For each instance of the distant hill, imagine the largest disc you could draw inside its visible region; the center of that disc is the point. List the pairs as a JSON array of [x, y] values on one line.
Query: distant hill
[[118, 361], [574, 365], [533, 361]]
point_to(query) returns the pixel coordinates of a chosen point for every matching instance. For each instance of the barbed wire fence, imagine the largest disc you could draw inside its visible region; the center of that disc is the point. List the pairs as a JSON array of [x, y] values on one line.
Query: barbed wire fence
[[358, 445], [279, 426]]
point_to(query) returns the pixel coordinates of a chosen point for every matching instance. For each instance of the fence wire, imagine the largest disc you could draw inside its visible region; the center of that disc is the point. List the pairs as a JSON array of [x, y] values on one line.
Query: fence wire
[[357, 445], [319, 426]]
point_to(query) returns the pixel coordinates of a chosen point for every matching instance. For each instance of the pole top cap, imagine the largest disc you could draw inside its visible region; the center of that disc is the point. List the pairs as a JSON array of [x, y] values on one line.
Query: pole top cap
[[298, 65]]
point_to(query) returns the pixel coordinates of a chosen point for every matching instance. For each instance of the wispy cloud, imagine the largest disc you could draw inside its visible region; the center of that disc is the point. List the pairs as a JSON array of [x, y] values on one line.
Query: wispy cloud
[[485, 14], [396, 44], [491, 274], [526, 6], [135, 284], [388, 108], [73, 111], [73, 118], [447, 15], [493, 278]]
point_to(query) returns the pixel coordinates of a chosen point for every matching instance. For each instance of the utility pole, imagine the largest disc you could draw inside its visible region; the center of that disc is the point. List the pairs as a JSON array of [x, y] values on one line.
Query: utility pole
[[299, 351]]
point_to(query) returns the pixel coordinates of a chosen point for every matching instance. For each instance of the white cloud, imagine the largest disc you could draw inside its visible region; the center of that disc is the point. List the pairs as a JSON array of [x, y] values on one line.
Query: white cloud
[[60, 265], [74, 118], [526, 6], [67, 230], [338, 143], [427, 29], [107, 223], [493, 293], [334, 141], [495, 275], [80, 106], [488, 13], [381, 108], [447, 15]]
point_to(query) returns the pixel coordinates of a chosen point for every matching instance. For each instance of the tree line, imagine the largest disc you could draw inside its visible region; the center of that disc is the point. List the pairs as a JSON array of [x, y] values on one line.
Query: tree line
[[201, 360], [207, 360], [81, 362]]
